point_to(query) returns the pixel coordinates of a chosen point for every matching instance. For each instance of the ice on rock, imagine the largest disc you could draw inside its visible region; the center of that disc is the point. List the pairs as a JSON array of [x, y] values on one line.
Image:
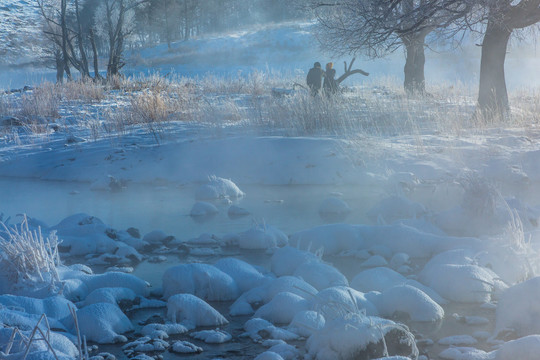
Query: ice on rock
[[204, 239], [202, 280], [236, 211], [56, 307], [398, 260], [203, 208], [410, 300], [285, 351], [320, 275], [24, 321], [339, 301], [217, 188], [286, 260], [519, 308], [110, 295], [145, 344], [102, 323], [395, 208], [263, 294], [192, 312], [212, 336], [114, 280], [245, 275], [282, 308]]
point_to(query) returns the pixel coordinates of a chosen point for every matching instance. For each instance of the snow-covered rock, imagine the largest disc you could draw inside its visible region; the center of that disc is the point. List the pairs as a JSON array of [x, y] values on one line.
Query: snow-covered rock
[[185, 347], [395, 208], [217, 188], [409, 300], [56, 307], [286, 260], [258, 329], [339, 301], [212, 336], [525, 348], [202, 280], [203, 208], [245, 275], [110, 295], [304, 323], [320, 275], [282, 308], [192, 312], [334, 209], [102, 323]]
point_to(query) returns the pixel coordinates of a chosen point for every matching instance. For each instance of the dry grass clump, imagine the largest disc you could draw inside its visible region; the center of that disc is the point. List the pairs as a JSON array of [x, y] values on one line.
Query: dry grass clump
[[42, 102], [87, 91]]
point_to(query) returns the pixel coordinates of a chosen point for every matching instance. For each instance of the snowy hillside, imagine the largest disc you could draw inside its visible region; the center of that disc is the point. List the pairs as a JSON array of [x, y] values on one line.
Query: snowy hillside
[[19, 29]]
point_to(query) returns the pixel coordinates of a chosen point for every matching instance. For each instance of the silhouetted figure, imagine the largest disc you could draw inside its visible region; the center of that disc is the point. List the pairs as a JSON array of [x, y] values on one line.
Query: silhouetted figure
[[314, 78], [330, 85]]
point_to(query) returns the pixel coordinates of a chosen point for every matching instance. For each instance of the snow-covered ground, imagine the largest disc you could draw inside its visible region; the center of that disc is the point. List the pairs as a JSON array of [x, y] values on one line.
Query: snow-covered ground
[[237, 235]]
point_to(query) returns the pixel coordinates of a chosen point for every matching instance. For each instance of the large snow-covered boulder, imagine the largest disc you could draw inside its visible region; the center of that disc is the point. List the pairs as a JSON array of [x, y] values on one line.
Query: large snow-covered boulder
[[203, 208], [202, 280], [245, 275], [282, 308], [358, 336], [286, 260], [409, 300], [38, 350], [339, 301], [320, 275], [519, 309], [333, 209], [305, 323], [395, 208], [102, 323], [262, 237], [525, 348], [264, 293], [377, 279], [192, 312], [462, 283], [110, 296]]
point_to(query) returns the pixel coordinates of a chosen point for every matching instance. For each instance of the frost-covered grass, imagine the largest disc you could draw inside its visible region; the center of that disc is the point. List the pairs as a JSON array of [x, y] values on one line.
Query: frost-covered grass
[[30, 256], [155, 103]]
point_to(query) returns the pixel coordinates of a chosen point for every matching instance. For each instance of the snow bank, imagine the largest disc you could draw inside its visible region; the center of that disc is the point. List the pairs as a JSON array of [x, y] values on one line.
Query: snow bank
[[102, 323], [193, 312], [409, 300], [202, 280]]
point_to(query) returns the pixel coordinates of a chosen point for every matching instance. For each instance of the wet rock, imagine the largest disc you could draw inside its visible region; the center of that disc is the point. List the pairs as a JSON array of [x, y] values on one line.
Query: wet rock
[[136, 233]]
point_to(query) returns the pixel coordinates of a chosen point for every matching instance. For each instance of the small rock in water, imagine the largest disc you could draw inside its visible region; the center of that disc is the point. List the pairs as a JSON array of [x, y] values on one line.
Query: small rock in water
[[185, 347], [124, 269], [458, 340], [212, 336], [157, 259], [136, 233]]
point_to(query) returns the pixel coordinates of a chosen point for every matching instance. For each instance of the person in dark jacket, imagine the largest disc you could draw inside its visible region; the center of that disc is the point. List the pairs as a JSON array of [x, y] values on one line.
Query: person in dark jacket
[[314, 78], [330, 85]]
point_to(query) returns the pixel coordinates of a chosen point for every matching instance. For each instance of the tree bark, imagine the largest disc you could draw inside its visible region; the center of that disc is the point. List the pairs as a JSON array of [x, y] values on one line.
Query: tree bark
[[59, 67], [415, 81], [492, 94]]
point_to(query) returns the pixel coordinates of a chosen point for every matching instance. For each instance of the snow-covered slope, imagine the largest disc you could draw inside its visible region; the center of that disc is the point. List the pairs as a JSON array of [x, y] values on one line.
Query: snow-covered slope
[[19, 30]]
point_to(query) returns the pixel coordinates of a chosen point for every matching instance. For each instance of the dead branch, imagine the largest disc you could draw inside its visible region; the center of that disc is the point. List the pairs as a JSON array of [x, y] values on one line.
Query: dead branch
[[348, 72]]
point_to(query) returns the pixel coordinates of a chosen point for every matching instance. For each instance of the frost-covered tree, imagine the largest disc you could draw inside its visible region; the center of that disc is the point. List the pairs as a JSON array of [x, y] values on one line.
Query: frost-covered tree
[[114, 21], [376, 28]]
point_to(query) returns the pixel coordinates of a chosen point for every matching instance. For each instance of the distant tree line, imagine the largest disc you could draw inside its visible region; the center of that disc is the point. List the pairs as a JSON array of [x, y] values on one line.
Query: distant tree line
[[80, 32]]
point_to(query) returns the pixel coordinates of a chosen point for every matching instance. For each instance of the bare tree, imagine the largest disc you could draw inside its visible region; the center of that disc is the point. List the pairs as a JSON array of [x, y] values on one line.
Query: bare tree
[[376, 28], [502, 18], [114, 20]]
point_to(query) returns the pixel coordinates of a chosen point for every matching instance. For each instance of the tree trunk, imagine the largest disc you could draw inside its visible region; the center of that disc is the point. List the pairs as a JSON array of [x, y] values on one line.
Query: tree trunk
[[95, 53], [59, 67], [415, 81], [492, 95]]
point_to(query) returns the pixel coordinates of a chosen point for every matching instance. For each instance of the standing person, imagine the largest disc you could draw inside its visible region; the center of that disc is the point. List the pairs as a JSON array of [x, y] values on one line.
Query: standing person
[[314, 78], [330, 85]]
